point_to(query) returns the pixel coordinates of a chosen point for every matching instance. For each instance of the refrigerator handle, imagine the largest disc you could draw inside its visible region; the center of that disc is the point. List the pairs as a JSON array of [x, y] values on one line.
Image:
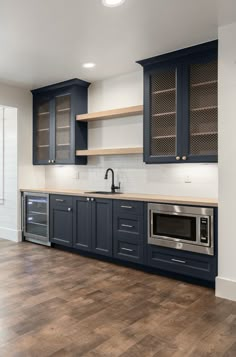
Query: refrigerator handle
[[23, 214]]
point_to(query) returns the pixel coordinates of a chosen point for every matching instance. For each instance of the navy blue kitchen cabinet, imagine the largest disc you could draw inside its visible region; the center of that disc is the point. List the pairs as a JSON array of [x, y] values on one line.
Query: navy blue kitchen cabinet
[[183, 263], [82, 232], [128, 231], [93, 225], [61, 220], [119, 229], [101, 226], [180, 106], [56, 134], [189, 264]]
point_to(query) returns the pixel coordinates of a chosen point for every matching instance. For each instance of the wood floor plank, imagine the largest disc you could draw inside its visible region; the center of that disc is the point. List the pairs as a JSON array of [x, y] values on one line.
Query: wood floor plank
[[55, 303]]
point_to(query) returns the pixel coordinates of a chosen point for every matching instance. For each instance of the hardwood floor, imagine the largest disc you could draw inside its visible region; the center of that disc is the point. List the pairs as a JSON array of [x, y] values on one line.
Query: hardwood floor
[[54, 303]]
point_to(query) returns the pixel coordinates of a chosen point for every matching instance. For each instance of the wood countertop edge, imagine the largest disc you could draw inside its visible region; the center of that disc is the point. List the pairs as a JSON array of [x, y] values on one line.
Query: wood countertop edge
[[211, 202]]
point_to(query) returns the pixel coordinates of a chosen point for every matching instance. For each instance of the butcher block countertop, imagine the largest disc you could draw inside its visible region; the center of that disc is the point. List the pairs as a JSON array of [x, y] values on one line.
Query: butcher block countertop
[[195, 201]]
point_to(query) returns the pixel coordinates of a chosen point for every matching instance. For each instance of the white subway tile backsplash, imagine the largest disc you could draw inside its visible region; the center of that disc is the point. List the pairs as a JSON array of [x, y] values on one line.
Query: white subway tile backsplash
[[135, 176]]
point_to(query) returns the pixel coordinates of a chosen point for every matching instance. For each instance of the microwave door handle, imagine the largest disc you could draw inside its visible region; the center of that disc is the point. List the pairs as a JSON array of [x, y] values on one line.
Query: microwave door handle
[[198, 231], [151, 223]]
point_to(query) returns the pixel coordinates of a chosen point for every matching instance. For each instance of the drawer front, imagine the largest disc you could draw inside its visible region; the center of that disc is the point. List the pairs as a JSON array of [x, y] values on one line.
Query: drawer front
[[128, 251], [61, 201], [128, 227], [128, 207], [197, 266], [129, 224]]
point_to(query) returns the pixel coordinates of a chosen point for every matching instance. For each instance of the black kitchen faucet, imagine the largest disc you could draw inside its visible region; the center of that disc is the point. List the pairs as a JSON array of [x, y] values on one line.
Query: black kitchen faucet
[[113, 187]]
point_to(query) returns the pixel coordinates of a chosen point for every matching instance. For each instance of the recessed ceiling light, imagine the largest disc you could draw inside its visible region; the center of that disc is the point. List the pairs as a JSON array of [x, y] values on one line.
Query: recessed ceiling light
[[112, 3], [89, 65]]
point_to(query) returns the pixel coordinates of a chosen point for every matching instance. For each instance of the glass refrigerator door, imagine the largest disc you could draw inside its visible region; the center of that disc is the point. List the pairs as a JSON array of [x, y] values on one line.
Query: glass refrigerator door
[[36, 217]]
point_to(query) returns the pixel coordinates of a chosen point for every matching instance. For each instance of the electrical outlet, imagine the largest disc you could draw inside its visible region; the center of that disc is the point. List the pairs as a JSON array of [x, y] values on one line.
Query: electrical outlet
[[187, 179]]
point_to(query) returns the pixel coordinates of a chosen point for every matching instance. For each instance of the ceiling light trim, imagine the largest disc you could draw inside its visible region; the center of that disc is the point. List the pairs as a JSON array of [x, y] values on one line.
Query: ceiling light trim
[[89, 65], [112, 3]]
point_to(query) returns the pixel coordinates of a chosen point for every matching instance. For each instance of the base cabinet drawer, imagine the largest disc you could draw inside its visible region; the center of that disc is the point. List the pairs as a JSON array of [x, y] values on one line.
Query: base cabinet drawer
[[185, 263], [128, 251], [128, 227], [61, 200], [128, 207]]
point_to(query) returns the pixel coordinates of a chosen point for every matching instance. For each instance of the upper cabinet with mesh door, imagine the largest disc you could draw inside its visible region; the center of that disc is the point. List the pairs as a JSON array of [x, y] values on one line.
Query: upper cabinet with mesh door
[[56, 134], [180, 105]]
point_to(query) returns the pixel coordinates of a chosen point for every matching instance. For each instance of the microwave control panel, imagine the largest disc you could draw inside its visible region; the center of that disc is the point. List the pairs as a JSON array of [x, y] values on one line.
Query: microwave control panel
[[204, 230]]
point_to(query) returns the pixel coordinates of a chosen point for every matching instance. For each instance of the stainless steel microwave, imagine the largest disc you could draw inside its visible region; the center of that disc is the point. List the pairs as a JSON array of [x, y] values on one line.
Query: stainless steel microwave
[[181, 227]]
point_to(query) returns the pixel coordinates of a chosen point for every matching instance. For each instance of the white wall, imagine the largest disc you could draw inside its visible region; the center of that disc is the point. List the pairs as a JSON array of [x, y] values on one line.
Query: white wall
[[8, 211], [28, 175], [135, 176], [226, 281]]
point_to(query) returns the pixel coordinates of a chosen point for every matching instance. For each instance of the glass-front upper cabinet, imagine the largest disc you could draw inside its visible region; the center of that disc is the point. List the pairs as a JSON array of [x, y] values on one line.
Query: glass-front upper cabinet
[[56, 134], [203, 109], [180, 106], [63, 127], [42, 131], [161, 129]]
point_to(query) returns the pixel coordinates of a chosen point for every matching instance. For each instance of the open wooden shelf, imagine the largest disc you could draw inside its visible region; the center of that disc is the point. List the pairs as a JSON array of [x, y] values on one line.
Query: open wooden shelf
[[113, 151], [111, 114]]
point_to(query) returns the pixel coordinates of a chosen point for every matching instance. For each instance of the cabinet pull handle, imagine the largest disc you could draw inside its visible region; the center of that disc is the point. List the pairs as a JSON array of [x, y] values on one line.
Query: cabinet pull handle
[[129, 207], [59, 200], [177, 158], [49, 161], [127, 249], [178, 261], [88, 199], [69, 209], [127, 225], [184, 158], [92, 199]]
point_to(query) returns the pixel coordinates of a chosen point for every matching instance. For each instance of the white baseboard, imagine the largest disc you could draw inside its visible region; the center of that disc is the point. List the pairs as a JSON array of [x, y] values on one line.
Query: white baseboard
[[10, 234], [226, 288]]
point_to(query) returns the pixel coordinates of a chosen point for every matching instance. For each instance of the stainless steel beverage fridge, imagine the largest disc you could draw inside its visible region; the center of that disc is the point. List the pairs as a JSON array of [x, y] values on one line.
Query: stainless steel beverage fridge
[[35, 217]]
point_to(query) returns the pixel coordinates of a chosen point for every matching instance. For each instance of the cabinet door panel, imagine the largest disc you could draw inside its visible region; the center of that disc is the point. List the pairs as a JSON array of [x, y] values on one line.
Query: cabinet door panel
[[82, 224], [202, 109], [162, 112], [42, 130], [63, 128], [102, 227], [61, 226]]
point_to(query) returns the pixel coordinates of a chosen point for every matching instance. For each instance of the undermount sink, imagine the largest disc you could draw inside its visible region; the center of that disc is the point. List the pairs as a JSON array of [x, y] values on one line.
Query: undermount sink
[[105, 192]]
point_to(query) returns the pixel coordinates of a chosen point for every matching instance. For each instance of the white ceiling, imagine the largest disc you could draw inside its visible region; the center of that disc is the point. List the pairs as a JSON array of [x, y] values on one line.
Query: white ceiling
[[46, 41]]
